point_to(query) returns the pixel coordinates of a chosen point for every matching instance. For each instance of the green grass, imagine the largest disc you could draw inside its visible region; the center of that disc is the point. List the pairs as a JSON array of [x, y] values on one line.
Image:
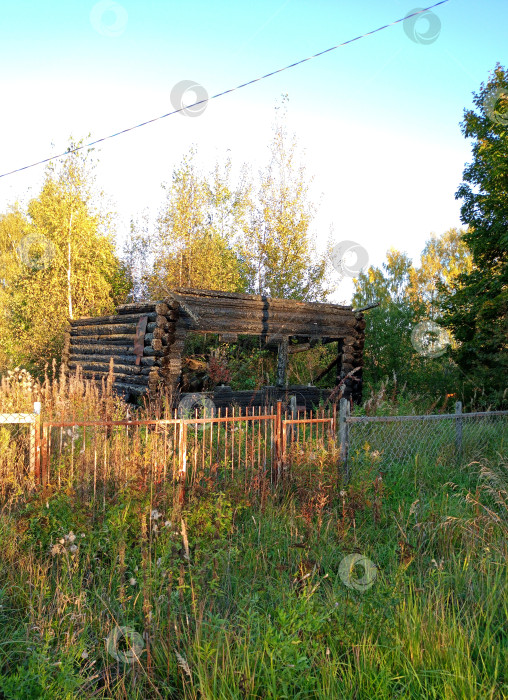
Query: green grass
[[258, 608]]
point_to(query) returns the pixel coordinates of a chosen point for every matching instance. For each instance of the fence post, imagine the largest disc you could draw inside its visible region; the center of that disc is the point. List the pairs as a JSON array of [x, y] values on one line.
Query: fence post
[[278, 438], [290, 428], [35, 443], [343, 436], [284, 450], [458, 430], [44, 455], [182, 459]]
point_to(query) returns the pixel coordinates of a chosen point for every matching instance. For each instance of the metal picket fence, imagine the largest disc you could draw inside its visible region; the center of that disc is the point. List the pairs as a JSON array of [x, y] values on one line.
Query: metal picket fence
[[249, 447]]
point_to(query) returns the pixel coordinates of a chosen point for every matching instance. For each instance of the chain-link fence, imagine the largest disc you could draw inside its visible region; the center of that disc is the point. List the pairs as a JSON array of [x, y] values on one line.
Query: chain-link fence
[[458, 438]]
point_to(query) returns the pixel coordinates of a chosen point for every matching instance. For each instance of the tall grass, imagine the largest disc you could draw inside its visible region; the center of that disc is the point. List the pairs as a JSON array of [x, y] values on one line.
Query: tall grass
[[241, 594]]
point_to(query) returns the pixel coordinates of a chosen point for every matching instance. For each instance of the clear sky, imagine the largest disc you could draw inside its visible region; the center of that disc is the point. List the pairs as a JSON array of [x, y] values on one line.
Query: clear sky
[[378, 119]]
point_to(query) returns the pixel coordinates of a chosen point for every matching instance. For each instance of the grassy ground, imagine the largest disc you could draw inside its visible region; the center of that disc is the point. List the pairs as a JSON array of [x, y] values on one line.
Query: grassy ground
[[235, 596]]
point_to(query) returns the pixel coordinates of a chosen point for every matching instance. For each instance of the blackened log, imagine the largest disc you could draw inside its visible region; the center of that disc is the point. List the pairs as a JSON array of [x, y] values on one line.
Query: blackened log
[[105, 320], [120, 339], [141, 307], [327, 369], [282, 361], [105, 330], [103, 367], [117, 359]]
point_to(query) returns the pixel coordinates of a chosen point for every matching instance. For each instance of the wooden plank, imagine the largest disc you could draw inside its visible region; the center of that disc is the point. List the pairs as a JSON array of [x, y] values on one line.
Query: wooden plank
[[129, 389], [126, 387], [294, 349]]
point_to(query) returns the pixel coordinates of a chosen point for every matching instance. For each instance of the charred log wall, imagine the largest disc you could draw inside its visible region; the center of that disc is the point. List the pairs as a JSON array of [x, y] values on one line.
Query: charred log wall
[[93, 342], [146, 340]]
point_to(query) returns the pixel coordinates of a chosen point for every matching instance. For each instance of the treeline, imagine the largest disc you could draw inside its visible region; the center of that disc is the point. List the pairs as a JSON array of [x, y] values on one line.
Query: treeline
[[59, 259]]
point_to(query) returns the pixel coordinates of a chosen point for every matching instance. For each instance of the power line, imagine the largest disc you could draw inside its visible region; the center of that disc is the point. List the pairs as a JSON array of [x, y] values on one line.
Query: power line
[[225, 92]]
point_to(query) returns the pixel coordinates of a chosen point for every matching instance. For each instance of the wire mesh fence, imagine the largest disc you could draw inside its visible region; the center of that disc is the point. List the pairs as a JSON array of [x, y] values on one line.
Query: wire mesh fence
[[457, 439]]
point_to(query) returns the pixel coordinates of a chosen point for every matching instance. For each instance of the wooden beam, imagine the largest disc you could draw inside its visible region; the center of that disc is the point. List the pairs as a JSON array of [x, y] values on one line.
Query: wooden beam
[[105, 320], [329, 367], [282, 361], [109, 329], [139, 340], [366, 308], [293, 349]]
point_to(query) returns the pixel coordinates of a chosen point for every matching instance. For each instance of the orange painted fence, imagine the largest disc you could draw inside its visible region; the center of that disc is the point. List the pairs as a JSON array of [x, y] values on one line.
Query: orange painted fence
[[244, 446]]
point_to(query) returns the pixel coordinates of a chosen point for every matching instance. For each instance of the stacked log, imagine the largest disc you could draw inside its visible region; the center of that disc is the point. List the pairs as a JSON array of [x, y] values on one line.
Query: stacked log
[[93, 342], [150, 356], [230, 313], [352, 358]]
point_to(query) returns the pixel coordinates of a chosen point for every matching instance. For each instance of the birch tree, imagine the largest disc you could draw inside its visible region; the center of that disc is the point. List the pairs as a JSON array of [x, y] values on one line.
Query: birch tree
[[282, 259], [59, 261]]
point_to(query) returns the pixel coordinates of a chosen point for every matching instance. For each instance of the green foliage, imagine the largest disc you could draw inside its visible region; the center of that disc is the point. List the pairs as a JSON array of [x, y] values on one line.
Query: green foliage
[[409, 295], [58, 261], [194, 245], [251, 602], [476, 308], [278, 248]]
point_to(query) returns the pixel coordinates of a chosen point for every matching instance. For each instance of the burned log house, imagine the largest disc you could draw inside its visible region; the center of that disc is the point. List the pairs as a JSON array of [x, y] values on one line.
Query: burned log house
[[146, 342]]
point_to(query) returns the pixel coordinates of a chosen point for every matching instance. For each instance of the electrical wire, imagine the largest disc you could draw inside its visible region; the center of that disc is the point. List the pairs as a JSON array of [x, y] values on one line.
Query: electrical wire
[[225, 92]]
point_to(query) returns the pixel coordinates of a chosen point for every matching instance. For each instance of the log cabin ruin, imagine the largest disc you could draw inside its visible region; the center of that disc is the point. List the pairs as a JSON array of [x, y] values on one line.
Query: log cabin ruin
[[146, 343]]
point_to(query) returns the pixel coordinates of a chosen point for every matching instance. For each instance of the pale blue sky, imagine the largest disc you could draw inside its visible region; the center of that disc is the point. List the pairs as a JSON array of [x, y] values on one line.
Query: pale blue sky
[[378, 119]]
